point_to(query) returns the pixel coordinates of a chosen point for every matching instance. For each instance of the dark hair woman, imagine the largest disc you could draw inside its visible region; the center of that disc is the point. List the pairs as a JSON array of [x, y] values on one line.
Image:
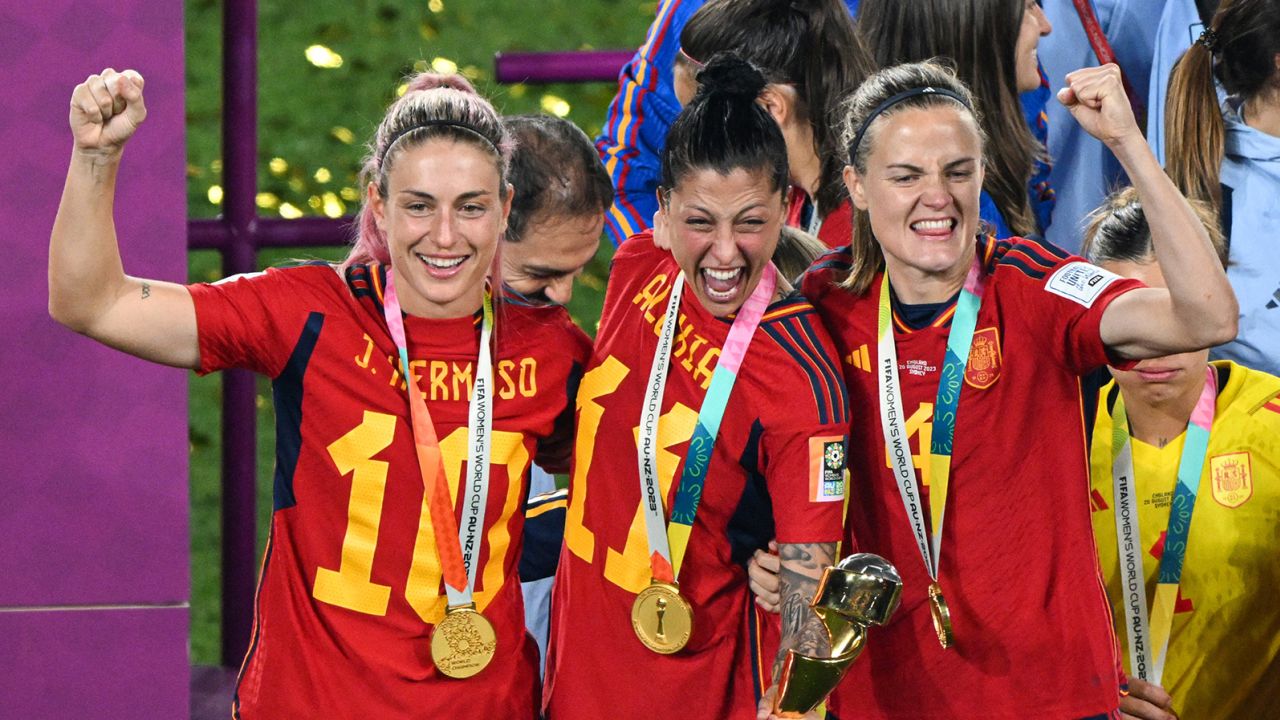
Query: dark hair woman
[[992, 45], [968, 350], [1230, 156], [706, 331], [394, 359], [811, 57]]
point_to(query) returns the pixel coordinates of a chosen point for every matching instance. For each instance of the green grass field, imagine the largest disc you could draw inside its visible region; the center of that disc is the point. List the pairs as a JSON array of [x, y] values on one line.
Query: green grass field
[[327, 69]]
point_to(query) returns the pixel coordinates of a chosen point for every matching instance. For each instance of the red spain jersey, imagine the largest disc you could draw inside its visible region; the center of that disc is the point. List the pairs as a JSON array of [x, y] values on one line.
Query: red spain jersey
[[776, 469], [1018, 565], [351, 582]]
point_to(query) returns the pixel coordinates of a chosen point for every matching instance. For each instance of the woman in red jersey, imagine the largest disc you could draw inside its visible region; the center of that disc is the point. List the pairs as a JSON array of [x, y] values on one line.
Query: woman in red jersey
[[389, 586], [651, 609], [968, 349]]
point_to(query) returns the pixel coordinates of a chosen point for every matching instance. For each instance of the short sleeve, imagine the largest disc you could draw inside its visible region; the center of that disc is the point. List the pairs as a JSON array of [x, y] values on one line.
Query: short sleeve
[[805, 440], [1061, 297], [248, 321]]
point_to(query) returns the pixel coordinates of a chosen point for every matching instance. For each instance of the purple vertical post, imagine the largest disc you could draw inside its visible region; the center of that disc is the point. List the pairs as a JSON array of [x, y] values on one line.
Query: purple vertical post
[[239, 440]]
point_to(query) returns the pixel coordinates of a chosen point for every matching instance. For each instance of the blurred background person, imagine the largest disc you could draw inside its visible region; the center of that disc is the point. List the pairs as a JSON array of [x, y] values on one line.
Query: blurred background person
[[1228, 154]]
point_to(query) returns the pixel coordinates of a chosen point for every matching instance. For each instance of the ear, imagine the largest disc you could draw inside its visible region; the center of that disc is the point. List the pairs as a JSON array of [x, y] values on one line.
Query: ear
[[506, 209], [853, 183], [778, 102], [377, 206], [664, 198]]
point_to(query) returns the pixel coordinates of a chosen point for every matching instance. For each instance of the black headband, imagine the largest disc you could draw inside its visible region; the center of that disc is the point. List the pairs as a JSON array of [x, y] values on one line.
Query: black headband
[[904, 95], [430, 124]]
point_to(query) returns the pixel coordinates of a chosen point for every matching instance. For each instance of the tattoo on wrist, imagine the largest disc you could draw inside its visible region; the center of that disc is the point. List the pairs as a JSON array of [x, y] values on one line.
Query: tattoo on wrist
[[802, 630], [146, 290]]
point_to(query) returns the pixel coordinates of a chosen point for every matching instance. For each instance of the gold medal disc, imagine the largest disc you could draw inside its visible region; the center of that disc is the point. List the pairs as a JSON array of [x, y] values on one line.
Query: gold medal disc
[[662, 619], [463, 642], [941, 616]]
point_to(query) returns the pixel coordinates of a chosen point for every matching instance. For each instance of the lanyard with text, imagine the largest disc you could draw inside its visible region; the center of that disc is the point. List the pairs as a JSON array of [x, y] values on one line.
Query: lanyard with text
[[897, 440], [458, 545], [654, 615], [1149, 635]]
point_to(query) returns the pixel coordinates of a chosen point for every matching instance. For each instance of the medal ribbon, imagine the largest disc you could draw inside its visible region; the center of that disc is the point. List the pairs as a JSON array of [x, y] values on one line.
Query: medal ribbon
[[667, 545], [457, 546], [892, 416], [1149, 635]]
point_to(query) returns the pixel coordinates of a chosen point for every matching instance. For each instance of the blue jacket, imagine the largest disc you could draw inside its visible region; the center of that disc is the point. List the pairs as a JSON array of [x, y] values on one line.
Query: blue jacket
[[1250, 216]]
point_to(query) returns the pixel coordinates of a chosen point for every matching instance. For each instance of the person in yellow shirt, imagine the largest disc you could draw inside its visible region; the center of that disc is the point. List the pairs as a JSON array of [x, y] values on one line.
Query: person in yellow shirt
[[1186, 511]]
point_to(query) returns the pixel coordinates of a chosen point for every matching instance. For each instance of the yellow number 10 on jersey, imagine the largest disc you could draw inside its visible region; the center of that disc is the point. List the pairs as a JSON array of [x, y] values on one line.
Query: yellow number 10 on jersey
[[628, 569], [351, 585]]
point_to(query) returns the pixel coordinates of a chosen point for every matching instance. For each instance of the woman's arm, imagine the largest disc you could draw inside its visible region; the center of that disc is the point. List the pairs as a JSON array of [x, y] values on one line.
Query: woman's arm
[[88, 290], [802, 630], [1198, 309]]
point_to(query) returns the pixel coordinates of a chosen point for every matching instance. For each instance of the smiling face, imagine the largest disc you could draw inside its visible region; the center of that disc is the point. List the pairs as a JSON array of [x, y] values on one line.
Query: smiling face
[[1157, 380], [442, 217], [1026, 62], [921, 187], [552, 252], [724, 229]]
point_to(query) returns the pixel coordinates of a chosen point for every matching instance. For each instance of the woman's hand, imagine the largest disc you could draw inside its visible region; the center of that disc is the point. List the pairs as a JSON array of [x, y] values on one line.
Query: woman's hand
[[1096, 98], [106, 110], [1146, 701], [762, 576]]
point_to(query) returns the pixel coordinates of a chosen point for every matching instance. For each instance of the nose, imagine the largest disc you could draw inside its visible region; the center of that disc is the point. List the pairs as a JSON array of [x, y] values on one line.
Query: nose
[[446, 233], [934, 194], [724, 247], [1045, 26], [560, 290]]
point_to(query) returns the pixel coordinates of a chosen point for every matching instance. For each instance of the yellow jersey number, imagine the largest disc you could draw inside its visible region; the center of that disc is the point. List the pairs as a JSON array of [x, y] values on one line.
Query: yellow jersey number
[[351, 585], [628, 568]]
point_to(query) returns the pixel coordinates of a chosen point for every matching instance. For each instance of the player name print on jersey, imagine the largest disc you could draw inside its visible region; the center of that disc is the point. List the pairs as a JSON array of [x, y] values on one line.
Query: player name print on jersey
[[1231, 479]]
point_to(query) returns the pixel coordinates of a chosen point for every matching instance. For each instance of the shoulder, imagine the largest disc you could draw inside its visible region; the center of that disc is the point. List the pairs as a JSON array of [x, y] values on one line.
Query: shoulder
[[301, 282], [1030, 258], [1257, 396], [826, 273], [547, 327], [801, 360]]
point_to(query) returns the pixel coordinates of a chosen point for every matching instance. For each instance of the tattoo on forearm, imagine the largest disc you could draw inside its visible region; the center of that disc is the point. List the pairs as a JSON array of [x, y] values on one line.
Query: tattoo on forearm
[[146, 290], [802, 630]]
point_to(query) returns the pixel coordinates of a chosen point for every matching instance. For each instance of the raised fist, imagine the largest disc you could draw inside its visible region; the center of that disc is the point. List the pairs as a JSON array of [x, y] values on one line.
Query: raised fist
[[1096, 98], [106, 109]]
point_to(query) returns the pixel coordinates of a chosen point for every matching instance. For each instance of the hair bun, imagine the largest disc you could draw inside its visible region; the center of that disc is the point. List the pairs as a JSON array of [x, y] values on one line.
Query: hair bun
[[729, 76]]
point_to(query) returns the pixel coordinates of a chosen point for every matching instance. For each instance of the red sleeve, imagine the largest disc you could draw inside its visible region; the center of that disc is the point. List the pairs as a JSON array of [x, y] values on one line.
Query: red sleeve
[[555, 450], [1064, 297], [805, 441], [248, 321]]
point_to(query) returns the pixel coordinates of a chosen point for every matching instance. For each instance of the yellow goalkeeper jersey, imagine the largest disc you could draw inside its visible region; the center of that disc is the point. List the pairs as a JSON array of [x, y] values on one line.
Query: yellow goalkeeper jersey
[[1224, 648]]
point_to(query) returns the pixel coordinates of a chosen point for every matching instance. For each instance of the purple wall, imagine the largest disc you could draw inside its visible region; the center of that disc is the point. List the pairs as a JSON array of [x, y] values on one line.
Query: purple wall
[[93, 448]]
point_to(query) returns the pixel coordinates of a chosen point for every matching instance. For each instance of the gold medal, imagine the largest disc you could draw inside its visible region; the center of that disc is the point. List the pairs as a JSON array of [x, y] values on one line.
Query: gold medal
[[463, 642], [941, 616], [661, 618]]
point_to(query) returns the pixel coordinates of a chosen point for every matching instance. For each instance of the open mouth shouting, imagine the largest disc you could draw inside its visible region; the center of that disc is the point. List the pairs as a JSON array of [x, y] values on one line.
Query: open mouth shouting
[[722, 285]]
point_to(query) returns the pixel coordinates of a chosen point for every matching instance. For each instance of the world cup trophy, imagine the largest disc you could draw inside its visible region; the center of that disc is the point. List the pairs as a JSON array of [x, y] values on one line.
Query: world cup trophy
[[861, 591]]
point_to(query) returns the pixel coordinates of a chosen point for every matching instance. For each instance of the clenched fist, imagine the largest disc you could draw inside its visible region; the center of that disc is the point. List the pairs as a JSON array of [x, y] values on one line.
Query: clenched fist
[[106, 109]]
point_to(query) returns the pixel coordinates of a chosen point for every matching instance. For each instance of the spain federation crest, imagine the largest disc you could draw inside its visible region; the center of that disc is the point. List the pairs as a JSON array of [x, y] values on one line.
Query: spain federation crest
[[1231, 479], [984, 359]]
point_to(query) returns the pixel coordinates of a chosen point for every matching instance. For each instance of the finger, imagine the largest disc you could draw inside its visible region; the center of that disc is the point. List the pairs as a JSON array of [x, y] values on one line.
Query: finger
[[131, 84], [83, 104], [1150, 692], [1142, 710], [769, 561], [101, 96], [1067, 96], [773, 546]]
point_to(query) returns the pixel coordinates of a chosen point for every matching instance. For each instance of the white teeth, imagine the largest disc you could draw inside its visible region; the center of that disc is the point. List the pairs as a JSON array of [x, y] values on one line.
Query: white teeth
[[931, 225], [442, 263], [723, 275]]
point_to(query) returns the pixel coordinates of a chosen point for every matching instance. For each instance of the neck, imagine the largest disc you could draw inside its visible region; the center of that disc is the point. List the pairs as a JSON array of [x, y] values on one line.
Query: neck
[[1262, 112], [807, 173], [914, 286], [1158, 420]]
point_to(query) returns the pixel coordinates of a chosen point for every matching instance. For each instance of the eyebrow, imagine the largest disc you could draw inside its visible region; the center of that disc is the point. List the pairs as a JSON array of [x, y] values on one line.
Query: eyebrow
[[916, 168], [544, 270], [472, 195], [705, 211]]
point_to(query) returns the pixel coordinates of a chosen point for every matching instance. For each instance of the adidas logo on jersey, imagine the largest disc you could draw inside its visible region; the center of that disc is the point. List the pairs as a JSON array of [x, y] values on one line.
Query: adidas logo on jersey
[[859, 358]]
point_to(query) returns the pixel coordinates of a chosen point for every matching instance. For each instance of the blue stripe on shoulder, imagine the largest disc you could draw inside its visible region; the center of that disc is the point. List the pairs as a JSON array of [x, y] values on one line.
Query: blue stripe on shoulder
[[836, 391], [1035, 273], [787, 338]]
